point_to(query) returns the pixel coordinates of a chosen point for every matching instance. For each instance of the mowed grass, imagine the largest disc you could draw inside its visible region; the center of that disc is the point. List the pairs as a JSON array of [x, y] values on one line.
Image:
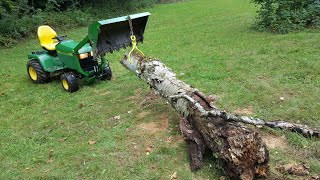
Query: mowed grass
[[45, 132]]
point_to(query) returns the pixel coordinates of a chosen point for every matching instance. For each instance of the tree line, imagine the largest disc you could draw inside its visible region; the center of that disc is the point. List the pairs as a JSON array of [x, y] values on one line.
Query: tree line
[[20, 18]]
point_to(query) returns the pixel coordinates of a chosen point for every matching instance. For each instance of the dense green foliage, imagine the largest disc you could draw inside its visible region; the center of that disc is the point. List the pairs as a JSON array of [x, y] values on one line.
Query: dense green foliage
[[283, 16], [20, 18]]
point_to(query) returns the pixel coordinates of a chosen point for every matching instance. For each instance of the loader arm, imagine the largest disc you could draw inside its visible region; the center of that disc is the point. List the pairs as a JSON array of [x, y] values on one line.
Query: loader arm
[[81, 44]]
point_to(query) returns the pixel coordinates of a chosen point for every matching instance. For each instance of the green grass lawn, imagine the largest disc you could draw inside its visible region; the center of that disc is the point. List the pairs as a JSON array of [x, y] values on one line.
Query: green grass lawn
[[45, 132]]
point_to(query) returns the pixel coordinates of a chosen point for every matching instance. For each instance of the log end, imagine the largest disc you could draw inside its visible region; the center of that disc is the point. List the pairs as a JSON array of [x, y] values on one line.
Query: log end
[[244, 153]]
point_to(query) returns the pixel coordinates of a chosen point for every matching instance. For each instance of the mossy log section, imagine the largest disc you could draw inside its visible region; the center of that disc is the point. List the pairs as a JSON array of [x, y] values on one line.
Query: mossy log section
[[241, 152]]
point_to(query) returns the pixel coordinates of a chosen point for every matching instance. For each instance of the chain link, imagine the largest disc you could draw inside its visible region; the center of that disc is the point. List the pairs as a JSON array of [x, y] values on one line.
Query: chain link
[[130, 25]]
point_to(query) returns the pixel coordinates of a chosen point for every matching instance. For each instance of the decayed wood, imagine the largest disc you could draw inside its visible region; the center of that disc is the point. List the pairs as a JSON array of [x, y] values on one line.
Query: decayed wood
[[240, 150]]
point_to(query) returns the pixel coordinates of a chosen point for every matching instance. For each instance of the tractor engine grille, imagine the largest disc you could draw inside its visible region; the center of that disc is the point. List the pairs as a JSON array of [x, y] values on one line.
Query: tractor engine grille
[[88, 64]]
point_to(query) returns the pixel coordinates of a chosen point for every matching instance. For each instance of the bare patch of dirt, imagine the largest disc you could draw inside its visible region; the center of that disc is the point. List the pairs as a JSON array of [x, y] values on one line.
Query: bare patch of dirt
[[174, 139], [244, 111], [143, 114], [150, 128], [154, 127], [147, 137], [102, 92], [275, 142], [164, 121], [133, 98], [149, 98], [142, 99], [295, 169], [136, 97]]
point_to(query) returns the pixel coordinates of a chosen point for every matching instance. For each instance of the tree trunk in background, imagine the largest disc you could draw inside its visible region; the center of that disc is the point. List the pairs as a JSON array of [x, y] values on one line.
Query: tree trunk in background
[[240, 150]]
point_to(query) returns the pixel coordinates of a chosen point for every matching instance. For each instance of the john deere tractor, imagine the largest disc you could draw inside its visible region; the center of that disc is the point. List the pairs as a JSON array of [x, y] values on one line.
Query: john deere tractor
[[83, 60]]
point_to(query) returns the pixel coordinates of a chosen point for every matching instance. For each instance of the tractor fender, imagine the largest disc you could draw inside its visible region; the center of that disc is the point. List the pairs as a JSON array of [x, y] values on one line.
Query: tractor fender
[[49, 63]]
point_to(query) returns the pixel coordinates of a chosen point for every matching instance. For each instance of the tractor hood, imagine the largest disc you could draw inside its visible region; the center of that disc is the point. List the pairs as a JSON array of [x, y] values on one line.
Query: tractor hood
[[113, 34]]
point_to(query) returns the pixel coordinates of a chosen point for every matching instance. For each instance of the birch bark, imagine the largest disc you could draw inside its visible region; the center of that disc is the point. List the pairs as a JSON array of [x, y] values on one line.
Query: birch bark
[[240, 151]]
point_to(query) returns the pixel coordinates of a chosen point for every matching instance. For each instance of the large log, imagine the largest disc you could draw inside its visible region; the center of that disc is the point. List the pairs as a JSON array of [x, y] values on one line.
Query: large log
[[240, 150]]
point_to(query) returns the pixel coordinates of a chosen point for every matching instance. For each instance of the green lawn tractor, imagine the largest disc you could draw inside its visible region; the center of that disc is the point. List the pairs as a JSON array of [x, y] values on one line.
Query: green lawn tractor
[[85, 59]]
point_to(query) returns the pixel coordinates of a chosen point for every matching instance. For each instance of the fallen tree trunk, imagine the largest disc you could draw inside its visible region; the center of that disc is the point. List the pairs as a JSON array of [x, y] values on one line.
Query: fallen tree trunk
[[240, 150]]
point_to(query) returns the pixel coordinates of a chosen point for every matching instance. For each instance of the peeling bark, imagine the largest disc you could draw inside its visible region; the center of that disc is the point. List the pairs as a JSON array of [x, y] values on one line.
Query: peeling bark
[[299, 128], [195, 143], [240, 150]]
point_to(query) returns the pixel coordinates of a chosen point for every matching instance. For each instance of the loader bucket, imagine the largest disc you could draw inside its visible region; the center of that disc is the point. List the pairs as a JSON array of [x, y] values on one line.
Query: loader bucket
[[113, 34]]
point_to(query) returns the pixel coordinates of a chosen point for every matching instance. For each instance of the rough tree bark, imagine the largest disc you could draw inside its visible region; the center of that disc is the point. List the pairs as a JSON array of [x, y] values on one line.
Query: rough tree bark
[[240, 150]]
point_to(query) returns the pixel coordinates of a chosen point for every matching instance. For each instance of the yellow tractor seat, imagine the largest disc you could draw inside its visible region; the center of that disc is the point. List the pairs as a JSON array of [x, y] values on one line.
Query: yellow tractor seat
[[46, 35]]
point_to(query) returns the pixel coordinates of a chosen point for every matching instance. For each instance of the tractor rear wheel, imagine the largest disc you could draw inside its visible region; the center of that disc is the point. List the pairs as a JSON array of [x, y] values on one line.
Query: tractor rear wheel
[[107, 73], [69, 82], [36, 72]]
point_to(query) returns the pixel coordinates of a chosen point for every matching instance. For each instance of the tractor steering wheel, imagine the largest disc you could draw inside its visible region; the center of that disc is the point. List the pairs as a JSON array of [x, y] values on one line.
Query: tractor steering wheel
[[60, 38]]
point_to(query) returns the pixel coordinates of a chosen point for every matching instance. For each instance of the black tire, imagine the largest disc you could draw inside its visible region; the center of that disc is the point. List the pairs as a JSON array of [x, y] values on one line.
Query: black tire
[[36, 72], [69, 82], [107, 73]]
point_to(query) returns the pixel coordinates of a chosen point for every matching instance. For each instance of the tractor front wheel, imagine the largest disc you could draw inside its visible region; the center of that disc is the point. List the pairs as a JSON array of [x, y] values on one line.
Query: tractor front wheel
[[36, 72], [69, 82], [107, 73]]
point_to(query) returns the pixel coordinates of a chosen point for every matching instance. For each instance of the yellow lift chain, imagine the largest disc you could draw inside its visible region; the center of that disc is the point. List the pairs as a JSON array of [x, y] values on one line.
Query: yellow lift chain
[[134, 47], [133, 41]]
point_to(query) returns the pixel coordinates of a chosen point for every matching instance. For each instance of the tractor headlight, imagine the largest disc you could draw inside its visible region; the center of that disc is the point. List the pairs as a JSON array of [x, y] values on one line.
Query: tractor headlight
[[83, 56]]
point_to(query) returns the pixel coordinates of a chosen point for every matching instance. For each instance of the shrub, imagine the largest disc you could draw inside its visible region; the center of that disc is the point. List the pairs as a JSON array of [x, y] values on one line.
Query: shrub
[[283, 16]]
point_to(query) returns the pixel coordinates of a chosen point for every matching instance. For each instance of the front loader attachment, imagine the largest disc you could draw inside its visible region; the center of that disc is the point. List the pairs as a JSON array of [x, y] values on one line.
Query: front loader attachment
[[113, 34]]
